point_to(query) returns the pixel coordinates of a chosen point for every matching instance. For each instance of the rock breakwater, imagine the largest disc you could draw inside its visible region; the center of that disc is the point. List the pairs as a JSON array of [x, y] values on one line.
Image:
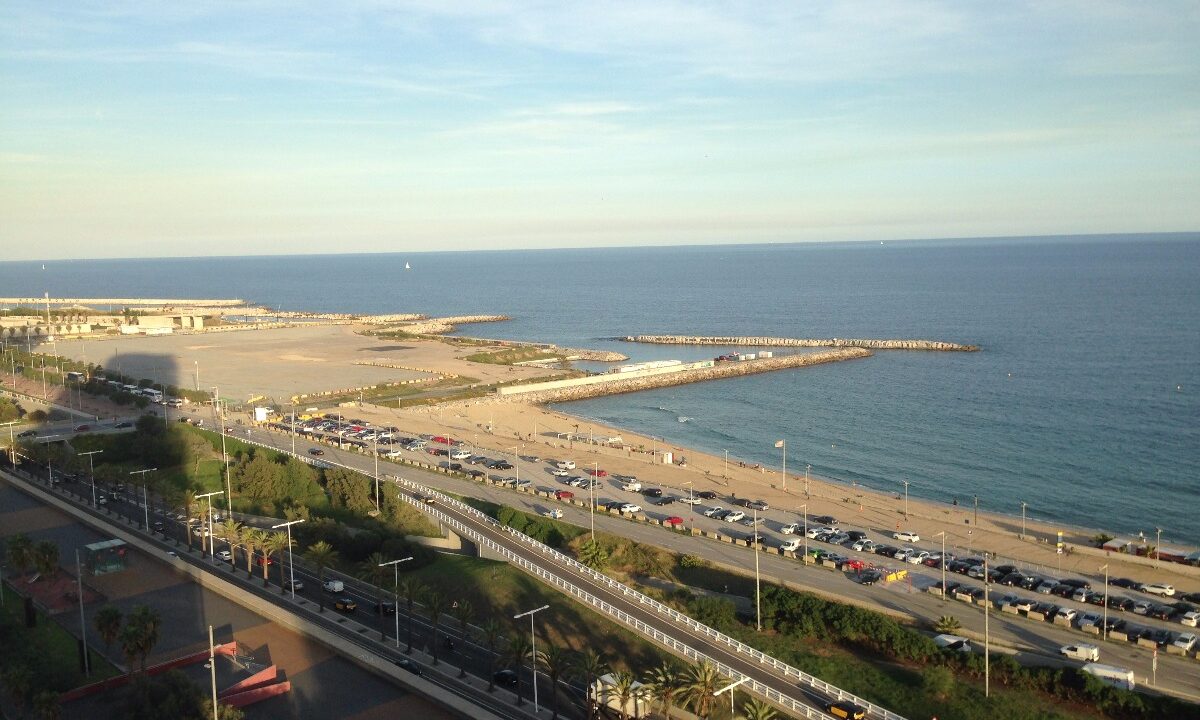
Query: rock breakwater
[[618, 385], [869, 344]]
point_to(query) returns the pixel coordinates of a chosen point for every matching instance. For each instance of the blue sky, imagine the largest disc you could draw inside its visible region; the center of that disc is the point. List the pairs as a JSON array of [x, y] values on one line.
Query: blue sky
[[138, 128]]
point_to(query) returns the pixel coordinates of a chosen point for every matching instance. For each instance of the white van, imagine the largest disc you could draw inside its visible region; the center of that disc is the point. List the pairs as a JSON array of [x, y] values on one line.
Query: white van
[[1082, 651], [565, 464], [633, 486], [334, 586], [1115, 676]]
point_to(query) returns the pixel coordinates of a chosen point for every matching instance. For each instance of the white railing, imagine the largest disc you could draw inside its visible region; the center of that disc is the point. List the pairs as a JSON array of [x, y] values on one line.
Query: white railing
[[635, 596]]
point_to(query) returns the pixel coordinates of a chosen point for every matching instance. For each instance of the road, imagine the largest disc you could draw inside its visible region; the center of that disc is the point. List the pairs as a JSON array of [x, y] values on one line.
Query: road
[[1038, 642]]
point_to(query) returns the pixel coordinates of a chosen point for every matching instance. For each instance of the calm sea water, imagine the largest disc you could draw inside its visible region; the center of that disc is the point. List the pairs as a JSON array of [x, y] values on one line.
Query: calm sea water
[[1084, 401]]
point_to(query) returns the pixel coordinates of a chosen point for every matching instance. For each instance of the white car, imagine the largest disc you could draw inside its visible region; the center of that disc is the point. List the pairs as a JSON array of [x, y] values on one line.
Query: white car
[[565, 464], [1191, 619], [906, 536], [789, 528], [560, 472], [1066, 612], [792, 545], [555, 514], [863, 545], [1159, 589], [630, 508], [814, 532], [733, 516], [459, 455], [714, 511], [393, 453], [1187, 641], [691, 500], [917, 557], [225, 555]]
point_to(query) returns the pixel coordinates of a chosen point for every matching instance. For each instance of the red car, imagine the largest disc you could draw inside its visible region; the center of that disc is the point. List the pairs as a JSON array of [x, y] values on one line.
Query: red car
[[259, 560], [82, 428], [563, 494], [598, 472], [673, 522]]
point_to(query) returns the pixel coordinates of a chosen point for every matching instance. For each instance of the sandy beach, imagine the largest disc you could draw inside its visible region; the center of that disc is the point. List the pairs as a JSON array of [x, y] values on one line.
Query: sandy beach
[[534, 430]]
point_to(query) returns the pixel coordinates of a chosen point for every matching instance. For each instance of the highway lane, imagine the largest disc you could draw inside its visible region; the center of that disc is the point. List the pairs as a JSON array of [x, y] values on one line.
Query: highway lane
[[1040, 641]]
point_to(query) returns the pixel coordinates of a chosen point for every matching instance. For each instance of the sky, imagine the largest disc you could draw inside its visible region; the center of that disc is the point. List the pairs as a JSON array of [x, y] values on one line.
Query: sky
[[262, 127]]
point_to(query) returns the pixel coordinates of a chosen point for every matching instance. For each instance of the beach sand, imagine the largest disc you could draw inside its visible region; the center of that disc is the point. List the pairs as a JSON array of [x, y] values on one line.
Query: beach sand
[[533, 431]]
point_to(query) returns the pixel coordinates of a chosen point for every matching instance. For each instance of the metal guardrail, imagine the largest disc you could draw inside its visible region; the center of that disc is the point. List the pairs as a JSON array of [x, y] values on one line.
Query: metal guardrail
[[635, 596]]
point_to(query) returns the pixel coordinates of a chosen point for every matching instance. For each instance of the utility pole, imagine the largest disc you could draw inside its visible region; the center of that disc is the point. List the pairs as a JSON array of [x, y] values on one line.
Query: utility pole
[[976, 511]]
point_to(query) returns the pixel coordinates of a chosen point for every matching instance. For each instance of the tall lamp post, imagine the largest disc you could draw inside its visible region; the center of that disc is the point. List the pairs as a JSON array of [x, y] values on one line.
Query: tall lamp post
[[211, 552], [987, 635], [804, 517], [807, 470], [976, 511], [145, 493], [376, 441], [220, 418], [757, 592], [1157, 545], [516, 463], [291, 565], [730, 689], [1023, 504], [293, 428], [1104, 627], [533, 646], [91, 471], [396, 590], [783, 444], [942, 563], [87, 661], [905, 499]]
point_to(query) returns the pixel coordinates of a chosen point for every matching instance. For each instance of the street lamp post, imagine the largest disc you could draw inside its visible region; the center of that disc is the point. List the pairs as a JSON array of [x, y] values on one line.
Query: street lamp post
[[533, 646], [516, 463], [1157, 546], [376, 440], [91, 471], [12, 441], [293, 428], [804, 517], [757, 577], [942, 563], [220, 417], [291, 565], [87, 661], [783, 444], [807, 470], [987, 636], [211, 552], [1104, 627], [396, 590], [212, 670], [726, 473], [976, 511], [1023, 503], [905, 499], [145, 493], [730, 689]]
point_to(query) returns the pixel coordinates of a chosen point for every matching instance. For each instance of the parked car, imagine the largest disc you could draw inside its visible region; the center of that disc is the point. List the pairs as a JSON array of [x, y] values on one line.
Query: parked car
[[554, 514], [1125, 583], [1185, 641], [1067, 613], [706, 495], [316, 451], [563, 494], [906, 536], [1159, 589], [714, 511], [863, 545], [651, 492], [409, 665], [506, 678], [673, 522], [563, 465], [1191, 619], [759, 505], [733, 516], [1118, 602], [630, 508], [792, 545], [789, 528], [1080, 651], [869, 576], [825, 520]]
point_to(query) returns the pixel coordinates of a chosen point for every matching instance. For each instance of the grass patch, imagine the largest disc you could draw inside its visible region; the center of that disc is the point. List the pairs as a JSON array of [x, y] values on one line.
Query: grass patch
[[509, 356], [496, 589], [48, 650]]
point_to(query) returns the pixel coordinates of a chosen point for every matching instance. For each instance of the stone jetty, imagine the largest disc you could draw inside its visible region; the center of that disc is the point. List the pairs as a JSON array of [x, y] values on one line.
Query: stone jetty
[[579, 389], [935, 345]]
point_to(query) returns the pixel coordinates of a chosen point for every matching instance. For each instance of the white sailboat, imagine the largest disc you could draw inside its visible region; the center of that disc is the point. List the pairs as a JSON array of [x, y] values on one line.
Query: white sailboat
[[407, 266]]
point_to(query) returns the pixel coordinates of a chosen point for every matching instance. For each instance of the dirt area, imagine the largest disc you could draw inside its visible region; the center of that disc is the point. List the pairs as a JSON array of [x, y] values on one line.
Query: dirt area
[[282, 362]]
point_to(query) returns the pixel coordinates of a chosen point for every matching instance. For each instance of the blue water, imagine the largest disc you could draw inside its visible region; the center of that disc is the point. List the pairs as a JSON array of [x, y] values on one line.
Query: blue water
[[1084, 401]]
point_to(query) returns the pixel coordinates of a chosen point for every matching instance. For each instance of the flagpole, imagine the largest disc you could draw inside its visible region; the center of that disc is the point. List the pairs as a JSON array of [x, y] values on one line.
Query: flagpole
[[785, 465]]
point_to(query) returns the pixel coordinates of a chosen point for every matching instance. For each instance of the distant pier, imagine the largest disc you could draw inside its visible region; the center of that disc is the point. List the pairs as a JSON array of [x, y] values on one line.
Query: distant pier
[[89, 302], [934, 345]]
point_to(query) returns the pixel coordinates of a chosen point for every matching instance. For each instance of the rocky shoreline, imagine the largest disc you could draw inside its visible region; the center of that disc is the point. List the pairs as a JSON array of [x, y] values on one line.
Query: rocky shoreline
[[869, 344]]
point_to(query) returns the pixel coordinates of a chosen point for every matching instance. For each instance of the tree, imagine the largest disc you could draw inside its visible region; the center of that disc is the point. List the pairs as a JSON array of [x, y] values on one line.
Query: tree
[[108, 625], [755, 709], [558, 664], [147, 625], [252, 540], [130, 639], [947, 624], [411, 588], [373, 572], [435, 605], [625, 691], [45, 558], [20, 553], [593, 555], [224, 712], [519, 648], [591, 665], [322, 555], [664, 683], [46, 705], [273, 544], [349, 489], [937, 681], [492, 630], [189, 507], [700, 682], [232, 531], [463, 612], [18, 680]]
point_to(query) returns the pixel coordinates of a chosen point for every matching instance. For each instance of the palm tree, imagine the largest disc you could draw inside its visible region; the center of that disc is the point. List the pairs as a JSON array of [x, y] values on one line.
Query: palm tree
[[947, 624], [664, 684], [232, 531], [45, 558], [491, 629], [20, 553], [593, 555], [623, 688], [591, 665], [252, 540], [108, 624], [463, 612], [374, 574], [411, 588], [519, 648], [189, 505], [322, 555], [700, 682], [46, 705], [273, 544], [755, 709], [435, 605], [131, 639], [147, 624], [557, 663]]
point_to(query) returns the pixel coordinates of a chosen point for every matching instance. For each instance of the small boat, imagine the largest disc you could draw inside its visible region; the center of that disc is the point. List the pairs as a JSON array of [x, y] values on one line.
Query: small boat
[[407, 266]]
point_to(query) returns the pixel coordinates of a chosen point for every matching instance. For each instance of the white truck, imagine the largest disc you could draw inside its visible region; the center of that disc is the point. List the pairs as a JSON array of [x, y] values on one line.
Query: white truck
[[631, 486], [1081, 651], [1111, 674], [333, 586]]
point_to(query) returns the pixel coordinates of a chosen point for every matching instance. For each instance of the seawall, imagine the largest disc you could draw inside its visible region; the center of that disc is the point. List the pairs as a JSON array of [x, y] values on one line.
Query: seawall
[[869, 344], [598, 385]]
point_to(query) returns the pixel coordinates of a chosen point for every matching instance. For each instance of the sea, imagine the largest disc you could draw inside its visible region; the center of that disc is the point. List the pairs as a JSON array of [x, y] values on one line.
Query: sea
[[1084, 402]]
